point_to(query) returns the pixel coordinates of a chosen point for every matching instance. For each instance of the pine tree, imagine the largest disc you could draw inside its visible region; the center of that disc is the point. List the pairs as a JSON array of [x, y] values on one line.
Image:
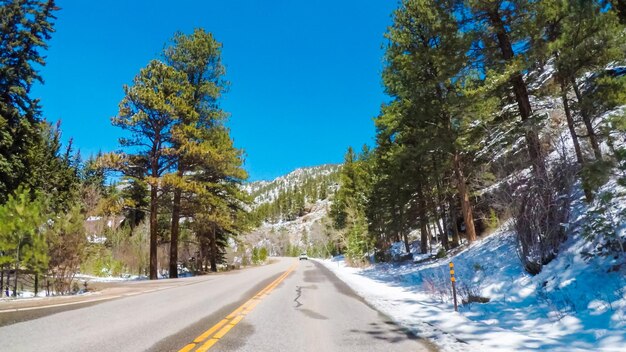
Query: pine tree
[[427, 126], [350, 202], [25, 26], [198, 56], [504, 29], [217, 205], [22, 243], [153, 105], [57, 174], [581, 37]]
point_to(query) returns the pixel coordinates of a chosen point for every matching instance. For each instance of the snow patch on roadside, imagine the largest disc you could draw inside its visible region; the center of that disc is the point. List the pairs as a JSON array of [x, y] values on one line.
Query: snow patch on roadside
[[572, 305]]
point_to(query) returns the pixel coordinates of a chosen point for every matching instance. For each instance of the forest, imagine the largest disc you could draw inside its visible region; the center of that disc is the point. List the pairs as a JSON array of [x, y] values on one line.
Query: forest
[[471, 137], [498, 111], [173, 183]]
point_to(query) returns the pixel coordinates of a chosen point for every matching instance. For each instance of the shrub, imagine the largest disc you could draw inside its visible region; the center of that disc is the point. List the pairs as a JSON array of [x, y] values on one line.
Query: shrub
[[542, 209], [602, 223]]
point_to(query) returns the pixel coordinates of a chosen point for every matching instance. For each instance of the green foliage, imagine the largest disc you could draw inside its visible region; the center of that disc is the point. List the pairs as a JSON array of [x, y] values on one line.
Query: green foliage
[[24, 28], [595, 174], [22, 241], [255, 256], [292, 201], [441, 253], [358, 243], [350, 203], [493, 221], [259, 255], [263, 254], [603, 224], [100, 262], [57, 174]]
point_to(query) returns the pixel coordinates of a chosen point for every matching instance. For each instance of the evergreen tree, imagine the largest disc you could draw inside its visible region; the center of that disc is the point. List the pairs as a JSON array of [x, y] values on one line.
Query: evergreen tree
[[350, 202], [581, 37], [504, 30], [25, 26], [198, 56], [22, 243], [153, 105], [218, 201], [57, 174], [432, 120]]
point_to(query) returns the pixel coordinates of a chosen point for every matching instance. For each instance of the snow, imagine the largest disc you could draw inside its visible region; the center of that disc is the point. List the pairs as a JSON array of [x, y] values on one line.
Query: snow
[[91, 278], [572, 305], [268, 191]]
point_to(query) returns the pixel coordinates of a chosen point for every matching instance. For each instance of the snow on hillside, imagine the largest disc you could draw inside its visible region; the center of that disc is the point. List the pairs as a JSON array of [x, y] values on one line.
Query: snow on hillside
[[574, 304], [309, 224], [267, 191]]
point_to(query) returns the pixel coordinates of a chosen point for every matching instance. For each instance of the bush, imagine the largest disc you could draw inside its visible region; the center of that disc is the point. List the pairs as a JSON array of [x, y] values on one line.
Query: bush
[[100, 262], [493, 221], [441, 253], [595, 174], [259, 255], [542, 209], [602, 223], [263, 254], [358, 244]]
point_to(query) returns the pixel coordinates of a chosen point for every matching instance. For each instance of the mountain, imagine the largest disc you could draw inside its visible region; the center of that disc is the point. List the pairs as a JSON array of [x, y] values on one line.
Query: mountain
[[290, 212], [268, 191]]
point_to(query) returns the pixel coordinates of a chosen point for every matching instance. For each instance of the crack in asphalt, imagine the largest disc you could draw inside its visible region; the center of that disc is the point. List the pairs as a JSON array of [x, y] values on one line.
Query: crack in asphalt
[[299, 291]]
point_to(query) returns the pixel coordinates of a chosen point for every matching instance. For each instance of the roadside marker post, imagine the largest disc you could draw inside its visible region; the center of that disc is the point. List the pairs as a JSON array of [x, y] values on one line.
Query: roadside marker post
[[453, 280]]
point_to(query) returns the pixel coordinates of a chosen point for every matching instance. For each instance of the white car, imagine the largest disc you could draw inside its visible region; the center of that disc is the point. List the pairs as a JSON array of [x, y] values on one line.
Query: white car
[[303, 256]]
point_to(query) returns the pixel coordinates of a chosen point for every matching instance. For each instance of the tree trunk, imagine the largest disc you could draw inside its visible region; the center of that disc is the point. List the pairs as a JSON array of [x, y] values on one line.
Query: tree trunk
[[153, 231], [36, 284], [466, 206], [403, 234], [444, 216], [570, 125], [440, 230], [17, 268], [587, 121], [8, 280], [521, 95], [429, 234], [456, 238], [572, 130], [423, 221], [1, 281], [405, 238], [214, 250], [175, 230]]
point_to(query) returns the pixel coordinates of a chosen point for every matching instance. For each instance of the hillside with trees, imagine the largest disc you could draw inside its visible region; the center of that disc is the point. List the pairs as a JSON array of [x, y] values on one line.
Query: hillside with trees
[[500, 110], [290, 213]]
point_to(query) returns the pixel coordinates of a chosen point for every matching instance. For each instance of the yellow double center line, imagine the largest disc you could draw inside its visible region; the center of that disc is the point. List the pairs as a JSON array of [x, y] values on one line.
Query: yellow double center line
[[220, 329]]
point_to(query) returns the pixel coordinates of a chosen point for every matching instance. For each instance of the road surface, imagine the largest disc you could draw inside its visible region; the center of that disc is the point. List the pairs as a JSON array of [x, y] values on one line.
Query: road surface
[[289, 305]]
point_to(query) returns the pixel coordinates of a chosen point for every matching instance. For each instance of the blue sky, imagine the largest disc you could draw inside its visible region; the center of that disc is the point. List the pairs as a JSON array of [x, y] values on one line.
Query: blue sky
[[305, 75]]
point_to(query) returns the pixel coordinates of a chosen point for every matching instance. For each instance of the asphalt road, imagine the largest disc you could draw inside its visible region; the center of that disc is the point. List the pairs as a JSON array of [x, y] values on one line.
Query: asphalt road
[[285, 306]]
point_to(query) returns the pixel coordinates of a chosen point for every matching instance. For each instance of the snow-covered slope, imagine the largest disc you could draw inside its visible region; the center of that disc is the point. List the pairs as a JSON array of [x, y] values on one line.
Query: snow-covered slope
[[576, 303], [301, 232], [267, 191]]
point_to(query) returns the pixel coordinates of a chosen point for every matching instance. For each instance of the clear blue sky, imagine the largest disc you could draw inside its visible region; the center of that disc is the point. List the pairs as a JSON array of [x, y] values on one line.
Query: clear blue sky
[[305, 75]]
